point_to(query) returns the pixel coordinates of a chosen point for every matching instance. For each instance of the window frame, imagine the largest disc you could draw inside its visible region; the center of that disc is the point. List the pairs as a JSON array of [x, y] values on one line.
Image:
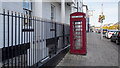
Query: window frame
[[53, 15], [29, 8], [27, 11]]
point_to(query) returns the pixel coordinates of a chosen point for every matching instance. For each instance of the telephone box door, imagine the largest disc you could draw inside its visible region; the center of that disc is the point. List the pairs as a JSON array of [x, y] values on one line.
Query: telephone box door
[[78, 33]]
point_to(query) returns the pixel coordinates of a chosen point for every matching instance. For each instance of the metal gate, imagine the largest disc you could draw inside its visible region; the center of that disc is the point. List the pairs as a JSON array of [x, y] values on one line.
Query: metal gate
[[26, 40]]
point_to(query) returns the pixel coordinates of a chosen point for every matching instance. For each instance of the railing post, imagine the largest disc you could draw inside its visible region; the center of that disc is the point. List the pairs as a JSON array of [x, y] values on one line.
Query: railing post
[[8, 40], [22, 19], [24, 40], [4, 38], [29, 38], [12, 38], [19, 39], [15, 38], [33, 41]]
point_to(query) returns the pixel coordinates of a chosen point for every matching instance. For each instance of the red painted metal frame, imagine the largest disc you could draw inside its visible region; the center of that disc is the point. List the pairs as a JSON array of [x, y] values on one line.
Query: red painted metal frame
[[83, 20]]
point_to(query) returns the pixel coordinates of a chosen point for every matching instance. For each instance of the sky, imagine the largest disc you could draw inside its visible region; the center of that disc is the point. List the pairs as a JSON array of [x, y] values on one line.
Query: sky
[[110, 10]]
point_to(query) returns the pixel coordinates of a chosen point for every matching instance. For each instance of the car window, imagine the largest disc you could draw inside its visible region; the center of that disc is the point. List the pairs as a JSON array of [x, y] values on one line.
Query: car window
[[111, 31], [114, 33], [117, 33]]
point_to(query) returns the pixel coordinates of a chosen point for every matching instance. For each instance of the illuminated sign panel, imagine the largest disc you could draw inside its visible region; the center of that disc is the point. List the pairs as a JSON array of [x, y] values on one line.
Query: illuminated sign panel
[[77, 16]]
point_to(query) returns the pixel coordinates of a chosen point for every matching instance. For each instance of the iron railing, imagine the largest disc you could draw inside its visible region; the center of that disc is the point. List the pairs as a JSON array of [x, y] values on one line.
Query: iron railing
[[27, 40]]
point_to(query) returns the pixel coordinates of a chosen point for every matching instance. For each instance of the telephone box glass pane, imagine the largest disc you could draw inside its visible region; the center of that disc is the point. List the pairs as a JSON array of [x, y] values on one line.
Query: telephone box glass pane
[[77, 35]]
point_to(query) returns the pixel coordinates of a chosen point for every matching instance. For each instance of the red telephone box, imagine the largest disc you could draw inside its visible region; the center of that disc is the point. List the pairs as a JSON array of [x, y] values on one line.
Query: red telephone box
[[78, 33]]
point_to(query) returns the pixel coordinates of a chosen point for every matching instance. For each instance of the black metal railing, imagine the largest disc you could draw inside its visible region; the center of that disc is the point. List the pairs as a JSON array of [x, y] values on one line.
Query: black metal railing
[[28, 40]]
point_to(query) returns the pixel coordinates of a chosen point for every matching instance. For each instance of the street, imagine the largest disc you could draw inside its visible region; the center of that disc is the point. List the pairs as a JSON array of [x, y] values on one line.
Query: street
[[99, 53], [43, 33]]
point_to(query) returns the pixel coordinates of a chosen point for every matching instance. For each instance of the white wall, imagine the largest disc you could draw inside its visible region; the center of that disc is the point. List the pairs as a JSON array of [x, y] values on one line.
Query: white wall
[[75, 5], [13, 6], [0, 5], [67, 14], [0, 33], [86, 12], [58, 11], [46, 10], [1, 29], [37, 9]]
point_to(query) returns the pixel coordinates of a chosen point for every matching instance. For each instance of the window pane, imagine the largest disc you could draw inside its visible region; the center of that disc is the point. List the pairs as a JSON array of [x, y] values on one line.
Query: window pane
[[30, 5], [27, 5], [24, 5]]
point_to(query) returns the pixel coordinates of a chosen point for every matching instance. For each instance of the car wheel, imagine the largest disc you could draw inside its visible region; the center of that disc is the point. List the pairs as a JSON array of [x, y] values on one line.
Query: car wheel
[[111, 40], [117, 42]]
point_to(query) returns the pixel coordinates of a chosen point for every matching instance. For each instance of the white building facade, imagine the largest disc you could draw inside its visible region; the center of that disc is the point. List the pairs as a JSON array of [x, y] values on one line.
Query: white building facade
[[44, 9], [85, 10]]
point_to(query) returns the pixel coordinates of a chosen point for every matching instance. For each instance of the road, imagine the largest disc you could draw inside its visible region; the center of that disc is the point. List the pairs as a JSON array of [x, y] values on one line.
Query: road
[[99, 53]]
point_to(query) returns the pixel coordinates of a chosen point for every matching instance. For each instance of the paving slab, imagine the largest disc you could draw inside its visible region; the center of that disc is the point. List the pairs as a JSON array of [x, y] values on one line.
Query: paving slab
[[99, 53]]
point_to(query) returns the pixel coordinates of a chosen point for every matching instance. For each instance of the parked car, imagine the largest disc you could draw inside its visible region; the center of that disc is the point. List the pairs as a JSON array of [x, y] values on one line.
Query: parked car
[[109, 33], [104, 32], [99, 31], [116, 37]]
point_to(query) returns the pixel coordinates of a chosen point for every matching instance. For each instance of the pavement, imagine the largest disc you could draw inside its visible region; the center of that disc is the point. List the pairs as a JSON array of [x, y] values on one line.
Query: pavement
[[99, 53]]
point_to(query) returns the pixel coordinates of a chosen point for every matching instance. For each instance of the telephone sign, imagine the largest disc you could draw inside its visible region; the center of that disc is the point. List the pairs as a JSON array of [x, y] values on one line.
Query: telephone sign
[[78, 33]]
